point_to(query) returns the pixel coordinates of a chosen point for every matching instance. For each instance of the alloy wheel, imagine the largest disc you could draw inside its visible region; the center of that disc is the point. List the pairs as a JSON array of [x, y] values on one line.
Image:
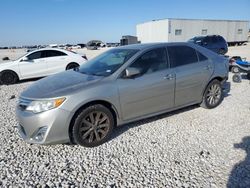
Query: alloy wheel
[[94, 126], [213, 95]]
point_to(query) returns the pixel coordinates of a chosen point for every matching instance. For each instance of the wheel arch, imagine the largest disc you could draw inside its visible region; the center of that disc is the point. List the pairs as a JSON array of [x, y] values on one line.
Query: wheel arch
[[219, 78], [10, 70], [105, 103], [72, 63]]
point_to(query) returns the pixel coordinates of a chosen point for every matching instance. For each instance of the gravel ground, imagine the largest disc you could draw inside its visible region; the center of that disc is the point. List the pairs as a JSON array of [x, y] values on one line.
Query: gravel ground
[[193, 147]]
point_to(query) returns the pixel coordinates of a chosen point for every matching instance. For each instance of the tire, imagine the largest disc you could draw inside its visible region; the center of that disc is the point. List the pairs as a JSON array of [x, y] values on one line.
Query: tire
[[93, 126], [236, 78], [221, 51], [8, 77], [213, 95], [235, 69], [72, 66]]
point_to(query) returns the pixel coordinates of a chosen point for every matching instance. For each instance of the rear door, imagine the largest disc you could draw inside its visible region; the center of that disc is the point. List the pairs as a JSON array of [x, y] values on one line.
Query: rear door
[[35, 66], [193, 71], [150, 92], [56, 61]]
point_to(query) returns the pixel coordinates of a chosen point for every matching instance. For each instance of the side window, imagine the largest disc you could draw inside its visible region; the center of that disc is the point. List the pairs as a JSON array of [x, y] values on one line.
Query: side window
[[201, 56], [152, 61], [35, 55], [54, 53], [214, 39], [182, 55], [221, 39]]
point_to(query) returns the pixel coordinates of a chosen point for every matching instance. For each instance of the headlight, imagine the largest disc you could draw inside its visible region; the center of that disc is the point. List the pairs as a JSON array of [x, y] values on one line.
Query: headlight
[[44, 105]]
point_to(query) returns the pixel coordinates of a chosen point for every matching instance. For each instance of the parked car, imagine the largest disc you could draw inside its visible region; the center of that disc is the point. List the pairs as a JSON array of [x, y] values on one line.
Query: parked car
[[39, 63], [119, 86], [215, 43]]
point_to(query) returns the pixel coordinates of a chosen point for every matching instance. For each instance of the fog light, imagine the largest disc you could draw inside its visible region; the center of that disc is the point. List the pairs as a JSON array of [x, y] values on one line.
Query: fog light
[[39, 135]]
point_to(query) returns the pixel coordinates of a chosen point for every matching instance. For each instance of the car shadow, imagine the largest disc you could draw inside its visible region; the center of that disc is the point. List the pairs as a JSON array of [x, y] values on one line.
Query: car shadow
[[240, 175], [29, 80], [226, 88], [125, 127]]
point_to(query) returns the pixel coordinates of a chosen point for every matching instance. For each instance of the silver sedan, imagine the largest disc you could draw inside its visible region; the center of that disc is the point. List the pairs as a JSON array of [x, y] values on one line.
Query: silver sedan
[[119, 86]]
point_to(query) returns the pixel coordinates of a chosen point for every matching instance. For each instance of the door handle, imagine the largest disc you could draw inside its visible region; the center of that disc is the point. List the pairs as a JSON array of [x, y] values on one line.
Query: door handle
[[169, 77]]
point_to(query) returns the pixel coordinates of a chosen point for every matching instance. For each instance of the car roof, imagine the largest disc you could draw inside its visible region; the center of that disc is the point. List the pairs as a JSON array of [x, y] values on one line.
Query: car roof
[[56, 49], [150, 45]]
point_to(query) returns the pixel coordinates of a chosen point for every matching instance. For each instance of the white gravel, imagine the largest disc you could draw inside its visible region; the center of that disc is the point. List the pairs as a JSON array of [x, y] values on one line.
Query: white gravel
[[192, 147]]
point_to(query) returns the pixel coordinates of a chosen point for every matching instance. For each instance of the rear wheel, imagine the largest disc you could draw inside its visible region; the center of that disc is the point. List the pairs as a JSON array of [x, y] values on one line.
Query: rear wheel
[[8, 77], [72, 66], [235, 69], [222, 51], [93, 126], [236, 78], [213, 95]]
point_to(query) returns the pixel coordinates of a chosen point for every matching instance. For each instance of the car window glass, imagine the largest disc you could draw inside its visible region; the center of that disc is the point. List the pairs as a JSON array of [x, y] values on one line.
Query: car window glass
[[54, 53], [108, 62], [221, 39], [201, 57], [208, 40], [214, 39], [151, 61], [182, 55], [35, 55]]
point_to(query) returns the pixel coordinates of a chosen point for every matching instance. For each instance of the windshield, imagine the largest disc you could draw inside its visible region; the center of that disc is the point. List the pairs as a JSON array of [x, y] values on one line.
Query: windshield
[[107, 63]]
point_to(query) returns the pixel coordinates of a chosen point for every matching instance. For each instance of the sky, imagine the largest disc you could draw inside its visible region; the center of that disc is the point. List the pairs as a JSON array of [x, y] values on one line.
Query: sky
[[30, 22]]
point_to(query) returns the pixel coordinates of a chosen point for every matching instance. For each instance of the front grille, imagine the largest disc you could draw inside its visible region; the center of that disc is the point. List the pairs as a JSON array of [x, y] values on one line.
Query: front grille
[[23, 103]]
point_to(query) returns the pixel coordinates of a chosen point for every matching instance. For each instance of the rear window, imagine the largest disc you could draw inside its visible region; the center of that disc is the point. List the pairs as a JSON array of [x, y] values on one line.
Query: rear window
[[54, 53], [221, 39], [182, 55]]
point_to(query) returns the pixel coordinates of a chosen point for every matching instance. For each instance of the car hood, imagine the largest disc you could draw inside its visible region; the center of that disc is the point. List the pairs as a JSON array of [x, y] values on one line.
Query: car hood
[[6, 64], [61, 84]]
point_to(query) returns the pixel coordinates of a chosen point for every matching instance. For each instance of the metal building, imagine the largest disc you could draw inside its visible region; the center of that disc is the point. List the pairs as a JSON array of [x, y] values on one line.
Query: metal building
[[179, 30], [128, 39]]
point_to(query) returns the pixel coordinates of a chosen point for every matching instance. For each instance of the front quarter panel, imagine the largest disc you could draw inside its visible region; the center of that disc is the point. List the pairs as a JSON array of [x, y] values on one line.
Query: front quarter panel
[[13, 66], [103, 91]]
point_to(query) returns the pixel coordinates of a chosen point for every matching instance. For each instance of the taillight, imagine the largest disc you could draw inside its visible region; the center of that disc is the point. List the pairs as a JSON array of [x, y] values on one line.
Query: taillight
[[84, 57]]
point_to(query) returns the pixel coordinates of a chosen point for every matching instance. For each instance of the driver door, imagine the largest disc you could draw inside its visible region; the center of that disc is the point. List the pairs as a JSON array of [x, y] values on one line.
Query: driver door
[[34, 66], [150, 92]]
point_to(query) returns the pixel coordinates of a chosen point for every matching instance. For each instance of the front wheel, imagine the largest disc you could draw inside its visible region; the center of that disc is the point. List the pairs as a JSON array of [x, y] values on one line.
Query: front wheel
[[93, 126], [8, 77], [213, 95]]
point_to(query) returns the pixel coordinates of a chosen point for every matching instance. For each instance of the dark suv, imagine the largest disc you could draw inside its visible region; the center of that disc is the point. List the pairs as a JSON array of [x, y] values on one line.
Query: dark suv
[[215, 43]]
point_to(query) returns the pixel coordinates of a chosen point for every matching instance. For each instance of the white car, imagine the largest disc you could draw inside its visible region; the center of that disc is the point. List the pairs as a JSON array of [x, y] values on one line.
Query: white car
[[39, 63]]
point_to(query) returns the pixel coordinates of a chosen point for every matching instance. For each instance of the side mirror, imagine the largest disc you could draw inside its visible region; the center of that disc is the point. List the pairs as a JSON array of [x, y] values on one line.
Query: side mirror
[[25, 59], [131, 72]]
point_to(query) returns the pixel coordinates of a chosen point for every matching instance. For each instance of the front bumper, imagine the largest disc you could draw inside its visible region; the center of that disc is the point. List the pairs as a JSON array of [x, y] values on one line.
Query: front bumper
[[53, 124]]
